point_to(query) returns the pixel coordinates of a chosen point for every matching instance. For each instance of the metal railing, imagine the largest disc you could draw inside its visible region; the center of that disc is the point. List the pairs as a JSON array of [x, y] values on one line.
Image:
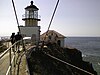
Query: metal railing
[[27, 16], [69, 64], [14, 54]]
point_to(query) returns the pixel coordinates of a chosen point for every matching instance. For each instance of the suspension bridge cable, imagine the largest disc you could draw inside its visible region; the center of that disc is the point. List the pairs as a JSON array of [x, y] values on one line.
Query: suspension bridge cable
[[16, 15], [53, 15], [18, 23], [52, 18]]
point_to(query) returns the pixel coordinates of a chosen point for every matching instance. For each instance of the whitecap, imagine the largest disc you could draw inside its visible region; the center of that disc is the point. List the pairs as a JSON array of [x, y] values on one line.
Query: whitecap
[[83, 55], [98, 63]]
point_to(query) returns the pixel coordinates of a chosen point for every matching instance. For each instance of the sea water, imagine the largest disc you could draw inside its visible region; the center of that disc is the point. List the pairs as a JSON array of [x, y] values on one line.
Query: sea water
[[90, 48]]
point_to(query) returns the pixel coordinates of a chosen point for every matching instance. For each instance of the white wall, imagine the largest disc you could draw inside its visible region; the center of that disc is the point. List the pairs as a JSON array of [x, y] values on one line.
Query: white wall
[[29, 31], [62, 43]]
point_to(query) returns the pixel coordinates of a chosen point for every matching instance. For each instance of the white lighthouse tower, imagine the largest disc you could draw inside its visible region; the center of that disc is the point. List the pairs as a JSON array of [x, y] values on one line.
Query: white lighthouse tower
[[31, 28]]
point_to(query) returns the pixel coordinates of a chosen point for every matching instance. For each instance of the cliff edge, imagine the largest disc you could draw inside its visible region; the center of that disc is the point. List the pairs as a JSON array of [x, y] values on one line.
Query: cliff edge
[[41, 64]]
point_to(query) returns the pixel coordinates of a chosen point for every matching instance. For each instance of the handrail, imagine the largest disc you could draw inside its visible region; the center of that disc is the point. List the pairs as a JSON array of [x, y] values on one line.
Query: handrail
[[68, 64], [26, 16], [12, 58], [8, 49]]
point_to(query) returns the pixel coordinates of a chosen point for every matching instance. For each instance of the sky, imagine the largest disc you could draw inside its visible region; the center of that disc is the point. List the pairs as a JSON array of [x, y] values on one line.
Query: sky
[[72, 18]]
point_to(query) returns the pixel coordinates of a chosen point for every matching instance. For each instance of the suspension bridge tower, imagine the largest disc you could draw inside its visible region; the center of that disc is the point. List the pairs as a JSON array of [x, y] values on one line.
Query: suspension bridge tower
[[31, 28]]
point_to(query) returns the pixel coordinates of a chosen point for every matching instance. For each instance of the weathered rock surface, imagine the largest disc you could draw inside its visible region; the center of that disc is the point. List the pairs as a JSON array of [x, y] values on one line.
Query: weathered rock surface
[[41, 64]]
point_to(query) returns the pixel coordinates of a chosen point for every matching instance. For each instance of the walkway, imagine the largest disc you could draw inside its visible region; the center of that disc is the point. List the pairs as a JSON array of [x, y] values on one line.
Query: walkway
[[20, 64]]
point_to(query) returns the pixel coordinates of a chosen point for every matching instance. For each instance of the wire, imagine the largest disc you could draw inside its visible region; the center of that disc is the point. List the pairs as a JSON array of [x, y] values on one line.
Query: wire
[[18, 23], [16, 15], [51, 19], [53, 14]]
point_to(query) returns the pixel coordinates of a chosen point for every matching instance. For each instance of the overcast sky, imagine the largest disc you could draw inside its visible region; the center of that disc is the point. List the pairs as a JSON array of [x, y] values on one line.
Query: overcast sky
[[72, 18]]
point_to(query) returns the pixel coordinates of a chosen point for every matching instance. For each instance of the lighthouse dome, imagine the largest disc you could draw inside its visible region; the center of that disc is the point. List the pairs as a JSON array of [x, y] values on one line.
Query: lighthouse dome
[[32, 6]]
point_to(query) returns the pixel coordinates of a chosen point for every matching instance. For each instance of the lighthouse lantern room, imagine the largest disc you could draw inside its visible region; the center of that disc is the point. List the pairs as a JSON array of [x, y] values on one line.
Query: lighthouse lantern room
[[31, 15], [31, 28]]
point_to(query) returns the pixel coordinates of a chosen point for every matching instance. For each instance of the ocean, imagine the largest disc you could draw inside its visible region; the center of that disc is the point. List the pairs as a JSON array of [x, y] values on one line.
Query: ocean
[[90, 48]]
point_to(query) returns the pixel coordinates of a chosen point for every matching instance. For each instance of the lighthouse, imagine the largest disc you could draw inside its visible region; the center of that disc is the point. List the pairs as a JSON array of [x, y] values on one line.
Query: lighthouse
[[31, 28]]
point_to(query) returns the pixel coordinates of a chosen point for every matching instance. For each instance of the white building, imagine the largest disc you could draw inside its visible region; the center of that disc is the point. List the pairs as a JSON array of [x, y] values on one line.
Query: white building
[[31, 28], [53, 37]]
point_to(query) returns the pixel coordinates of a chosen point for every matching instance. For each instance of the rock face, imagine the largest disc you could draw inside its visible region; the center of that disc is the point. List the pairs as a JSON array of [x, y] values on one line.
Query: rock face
[[41, 64]]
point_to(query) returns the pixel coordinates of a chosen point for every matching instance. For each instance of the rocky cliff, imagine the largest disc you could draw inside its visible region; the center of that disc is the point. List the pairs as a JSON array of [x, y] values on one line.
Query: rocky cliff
[[41, 64]]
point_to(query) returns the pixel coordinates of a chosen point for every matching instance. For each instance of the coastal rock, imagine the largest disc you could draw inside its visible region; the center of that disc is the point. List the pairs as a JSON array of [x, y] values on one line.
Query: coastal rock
[[42, 64]]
